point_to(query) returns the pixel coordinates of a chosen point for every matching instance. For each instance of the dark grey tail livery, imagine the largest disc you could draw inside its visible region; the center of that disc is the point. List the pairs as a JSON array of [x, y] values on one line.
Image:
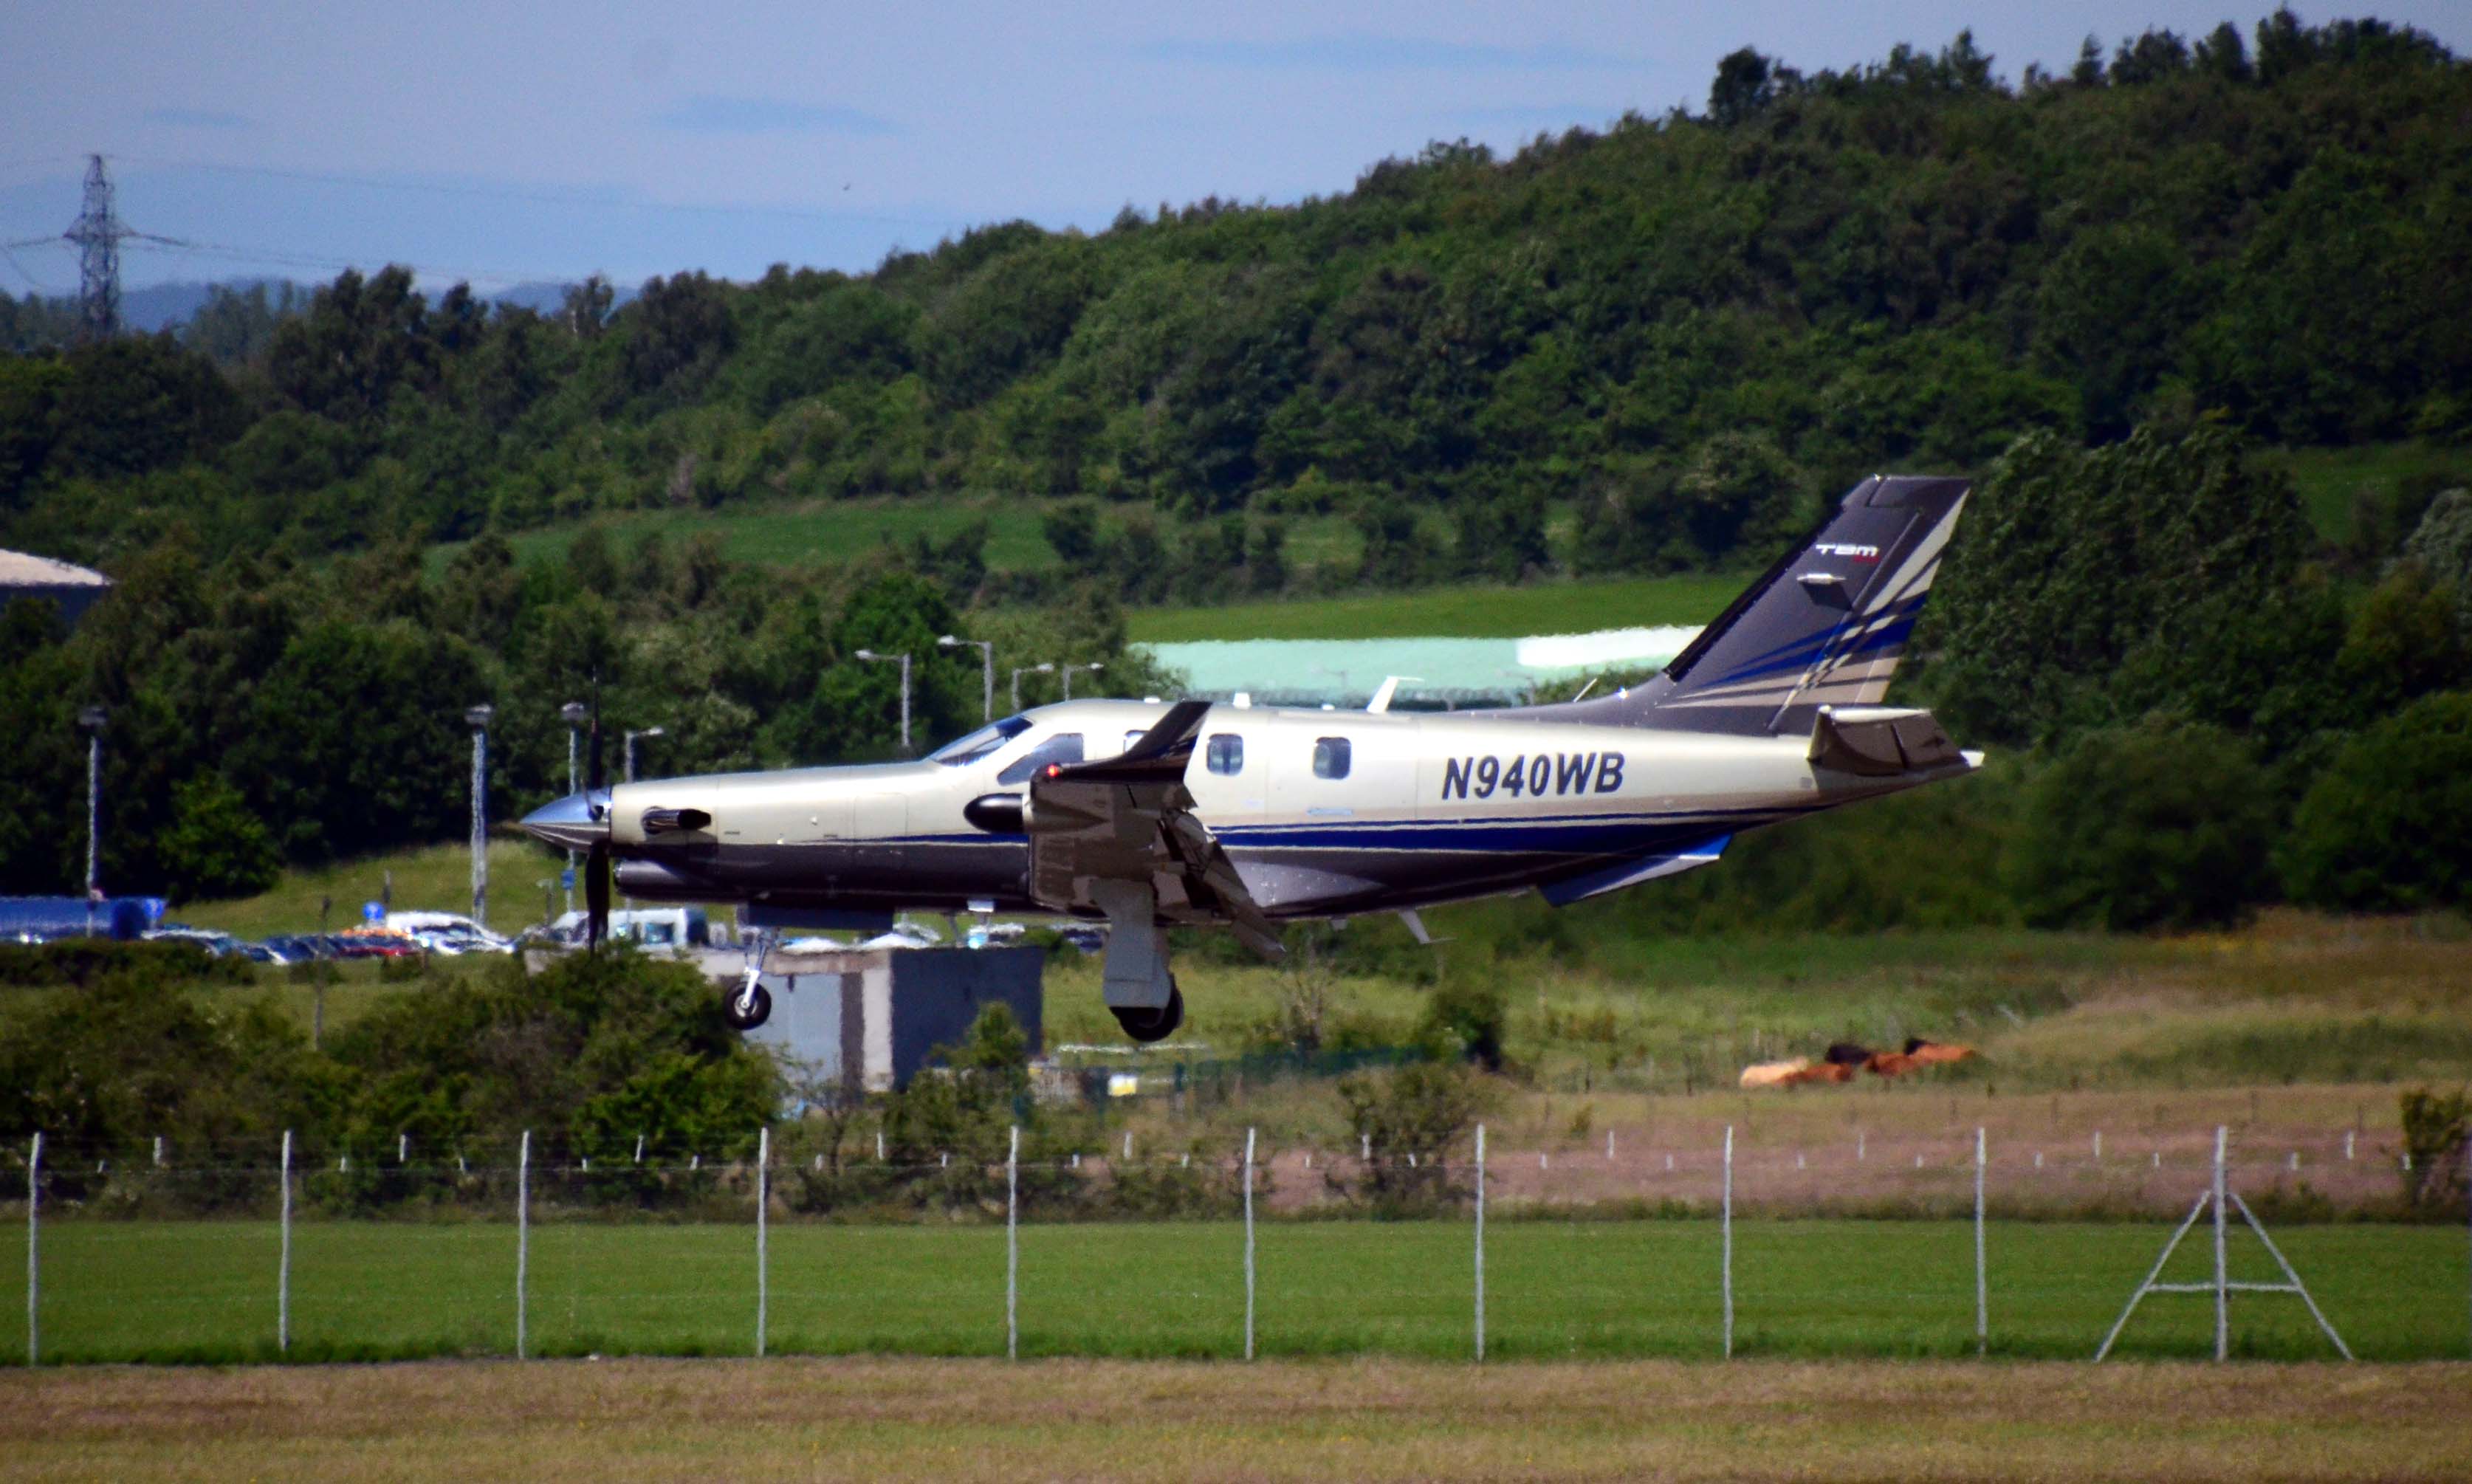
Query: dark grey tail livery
[[1825, 627]]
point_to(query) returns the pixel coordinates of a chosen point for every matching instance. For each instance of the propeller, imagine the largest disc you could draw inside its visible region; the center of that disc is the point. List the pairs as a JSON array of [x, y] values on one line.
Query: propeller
[[596, 861]]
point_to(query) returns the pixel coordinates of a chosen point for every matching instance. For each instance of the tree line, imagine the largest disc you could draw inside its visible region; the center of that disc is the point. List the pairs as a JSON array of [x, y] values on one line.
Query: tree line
[[1673, 328]]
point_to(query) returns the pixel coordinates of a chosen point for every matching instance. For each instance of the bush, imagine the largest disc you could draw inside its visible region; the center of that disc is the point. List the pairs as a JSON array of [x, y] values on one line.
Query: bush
[[1415, 1120], [2383, 827], [2155, 826], [2434, 1127]]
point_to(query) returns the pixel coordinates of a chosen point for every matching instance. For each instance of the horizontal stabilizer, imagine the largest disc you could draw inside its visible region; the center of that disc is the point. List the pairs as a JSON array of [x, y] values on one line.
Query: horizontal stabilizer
[[1630, 873], [1880, 742]]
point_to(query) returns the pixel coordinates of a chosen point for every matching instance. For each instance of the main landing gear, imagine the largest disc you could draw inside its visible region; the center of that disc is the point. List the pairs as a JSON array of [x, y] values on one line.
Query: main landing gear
[[1145, 1025], [752, 1005]]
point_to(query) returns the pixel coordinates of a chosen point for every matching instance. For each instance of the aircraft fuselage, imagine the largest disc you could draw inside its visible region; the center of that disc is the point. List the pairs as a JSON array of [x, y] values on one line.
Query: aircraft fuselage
[[1323, 813]]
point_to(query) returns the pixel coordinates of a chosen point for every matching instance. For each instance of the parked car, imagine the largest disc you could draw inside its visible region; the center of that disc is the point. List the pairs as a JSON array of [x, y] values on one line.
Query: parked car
[[216, 943], [448, 932]]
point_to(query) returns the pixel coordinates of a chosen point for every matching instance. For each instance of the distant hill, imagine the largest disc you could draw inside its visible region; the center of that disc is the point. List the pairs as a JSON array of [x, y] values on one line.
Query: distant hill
[[168, 306]]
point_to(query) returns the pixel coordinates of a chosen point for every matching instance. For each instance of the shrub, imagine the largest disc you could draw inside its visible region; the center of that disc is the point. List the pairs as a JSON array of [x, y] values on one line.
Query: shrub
[[2153, 826], [2382, 826]]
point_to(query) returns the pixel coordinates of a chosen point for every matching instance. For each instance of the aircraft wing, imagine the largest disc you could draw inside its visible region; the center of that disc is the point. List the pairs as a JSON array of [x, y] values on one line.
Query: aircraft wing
[[1130, 819]]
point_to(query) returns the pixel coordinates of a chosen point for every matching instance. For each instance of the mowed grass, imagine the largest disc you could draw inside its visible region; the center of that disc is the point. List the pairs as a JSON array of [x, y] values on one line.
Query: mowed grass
[[803, 533], [2328, 477], [434, 878], [977, 1420], [205, 1291], [1469, 612]]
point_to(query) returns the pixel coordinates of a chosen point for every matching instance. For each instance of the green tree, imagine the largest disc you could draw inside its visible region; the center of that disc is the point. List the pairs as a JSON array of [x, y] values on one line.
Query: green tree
[[2155, 826], [215, 846], [2381, 828]]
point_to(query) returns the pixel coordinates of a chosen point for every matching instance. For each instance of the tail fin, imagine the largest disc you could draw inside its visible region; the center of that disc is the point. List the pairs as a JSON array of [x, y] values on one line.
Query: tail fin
[[1825, 627]]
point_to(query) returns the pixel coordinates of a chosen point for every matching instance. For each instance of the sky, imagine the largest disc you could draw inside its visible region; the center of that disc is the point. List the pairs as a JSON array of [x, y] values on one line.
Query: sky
[[547, 141]]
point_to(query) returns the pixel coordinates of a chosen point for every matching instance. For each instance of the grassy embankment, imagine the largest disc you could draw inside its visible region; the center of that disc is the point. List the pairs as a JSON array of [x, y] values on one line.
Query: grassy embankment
[[968, 1420], [204, 1291]]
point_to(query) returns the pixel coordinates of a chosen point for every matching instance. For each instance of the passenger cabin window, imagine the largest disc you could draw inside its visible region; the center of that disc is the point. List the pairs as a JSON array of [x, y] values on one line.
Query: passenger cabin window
[[1132, 738], [1227, 754], [1062, 747], [1330, 757]]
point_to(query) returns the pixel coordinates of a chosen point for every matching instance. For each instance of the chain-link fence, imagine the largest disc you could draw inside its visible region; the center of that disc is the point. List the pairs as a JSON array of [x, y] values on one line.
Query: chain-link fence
[[1618, 1244]]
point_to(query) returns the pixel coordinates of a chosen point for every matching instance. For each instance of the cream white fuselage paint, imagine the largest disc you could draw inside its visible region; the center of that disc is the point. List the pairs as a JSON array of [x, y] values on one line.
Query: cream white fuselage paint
[[1323, 813]]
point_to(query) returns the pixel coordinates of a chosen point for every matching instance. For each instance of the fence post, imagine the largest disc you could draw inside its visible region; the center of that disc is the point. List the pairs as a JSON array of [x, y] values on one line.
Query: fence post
[[763, 1200], [2222, 1274], [523, 1233], [1012, 1247], [1480, 1242], [1982, 1282], [283, 1262], [34, 1252], [1725, 1230], [1248, 1244]]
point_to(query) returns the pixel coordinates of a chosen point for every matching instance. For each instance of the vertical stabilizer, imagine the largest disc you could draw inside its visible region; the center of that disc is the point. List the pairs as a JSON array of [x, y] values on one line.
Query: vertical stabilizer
[[1825, 627]]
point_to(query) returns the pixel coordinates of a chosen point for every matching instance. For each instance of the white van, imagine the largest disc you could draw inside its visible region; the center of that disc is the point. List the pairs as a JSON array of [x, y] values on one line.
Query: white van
[[646, 926], [448, 932]]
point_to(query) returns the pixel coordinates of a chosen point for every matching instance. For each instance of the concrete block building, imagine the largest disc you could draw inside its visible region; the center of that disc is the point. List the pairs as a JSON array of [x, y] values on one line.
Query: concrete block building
[[866, 1019]]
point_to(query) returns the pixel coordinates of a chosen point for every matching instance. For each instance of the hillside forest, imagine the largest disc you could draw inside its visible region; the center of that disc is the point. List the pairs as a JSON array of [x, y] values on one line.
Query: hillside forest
[[2115, 295]]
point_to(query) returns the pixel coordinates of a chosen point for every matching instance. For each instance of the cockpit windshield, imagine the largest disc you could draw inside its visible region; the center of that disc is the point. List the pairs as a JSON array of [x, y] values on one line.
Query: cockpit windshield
[[978, 743]]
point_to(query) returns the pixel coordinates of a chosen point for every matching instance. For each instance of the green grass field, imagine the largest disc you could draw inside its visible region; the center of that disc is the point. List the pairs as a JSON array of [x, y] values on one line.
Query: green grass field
[[204, 1291], [436, 878], [1473, 612], [2327, 477], [817, 532]]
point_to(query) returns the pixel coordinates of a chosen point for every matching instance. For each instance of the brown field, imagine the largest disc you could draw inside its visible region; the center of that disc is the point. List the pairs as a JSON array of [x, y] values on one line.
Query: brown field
[[1370, 1420]]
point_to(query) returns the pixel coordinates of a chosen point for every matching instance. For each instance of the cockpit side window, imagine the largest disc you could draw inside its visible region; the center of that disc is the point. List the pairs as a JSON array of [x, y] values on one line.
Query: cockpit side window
[[964, 750], [1062, 747], [1331, 757], [1225, 754]]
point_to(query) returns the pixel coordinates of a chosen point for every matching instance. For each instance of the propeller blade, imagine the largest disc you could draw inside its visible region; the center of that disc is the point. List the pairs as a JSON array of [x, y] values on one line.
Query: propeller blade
[[596, 895]]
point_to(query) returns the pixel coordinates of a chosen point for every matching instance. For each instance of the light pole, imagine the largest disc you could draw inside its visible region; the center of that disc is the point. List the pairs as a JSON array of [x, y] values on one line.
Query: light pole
[[649, 731], [987, 669], [90, 720], [478, 718], [575, 713], [904, 659], [1020, 671], [1094, 667]]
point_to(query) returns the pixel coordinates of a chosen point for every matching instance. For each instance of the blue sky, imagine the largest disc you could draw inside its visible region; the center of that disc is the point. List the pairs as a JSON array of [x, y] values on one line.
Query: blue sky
[[563, 138]]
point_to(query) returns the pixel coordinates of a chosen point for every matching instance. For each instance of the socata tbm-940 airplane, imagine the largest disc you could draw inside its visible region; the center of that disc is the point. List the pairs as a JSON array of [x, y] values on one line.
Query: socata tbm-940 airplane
[[1152, 815]]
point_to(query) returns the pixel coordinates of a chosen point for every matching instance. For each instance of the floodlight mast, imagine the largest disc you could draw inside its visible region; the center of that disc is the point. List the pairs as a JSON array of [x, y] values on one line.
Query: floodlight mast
[[629, 748], [903, 660], [575, 713], [1094, 667], [90, 720], [1020, 671], [986, 672], [478, 717]]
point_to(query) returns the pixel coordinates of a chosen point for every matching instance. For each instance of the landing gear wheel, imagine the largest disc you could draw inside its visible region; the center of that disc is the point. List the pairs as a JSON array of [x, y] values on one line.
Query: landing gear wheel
[[748, 1008], [1147, 1026]]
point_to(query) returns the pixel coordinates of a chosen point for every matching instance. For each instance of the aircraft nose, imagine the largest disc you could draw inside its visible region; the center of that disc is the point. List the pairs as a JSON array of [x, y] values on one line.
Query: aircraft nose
[[578, 821]]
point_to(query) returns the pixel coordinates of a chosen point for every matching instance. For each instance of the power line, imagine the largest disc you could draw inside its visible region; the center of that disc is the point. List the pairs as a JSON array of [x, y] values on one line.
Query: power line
[[545, 197]]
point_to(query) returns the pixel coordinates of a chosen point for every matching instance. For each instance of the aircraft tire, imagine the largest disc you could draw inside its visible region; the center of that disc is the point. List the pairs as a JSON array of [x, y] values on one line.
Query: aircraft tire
[[1149, 1026], [746, 1012]]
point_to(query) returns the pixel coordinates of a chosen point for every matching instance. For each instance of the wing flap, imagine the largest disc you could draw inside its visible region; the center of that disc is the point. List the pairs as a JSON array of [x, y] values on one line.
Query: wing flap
[[1130, 819]]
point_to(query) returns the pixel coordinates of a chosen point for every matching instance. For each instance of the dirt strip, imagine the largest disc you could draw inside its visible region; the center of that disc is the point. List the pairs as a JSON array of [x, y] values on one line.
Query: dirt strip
[[1355, 1419]]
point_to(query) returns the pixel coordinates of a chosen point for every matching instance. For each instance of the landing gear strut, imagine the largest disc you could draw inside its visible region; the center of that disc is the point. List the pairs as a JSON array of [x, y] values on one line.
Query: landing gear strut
[[753, 1003], [1147, 1026]]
